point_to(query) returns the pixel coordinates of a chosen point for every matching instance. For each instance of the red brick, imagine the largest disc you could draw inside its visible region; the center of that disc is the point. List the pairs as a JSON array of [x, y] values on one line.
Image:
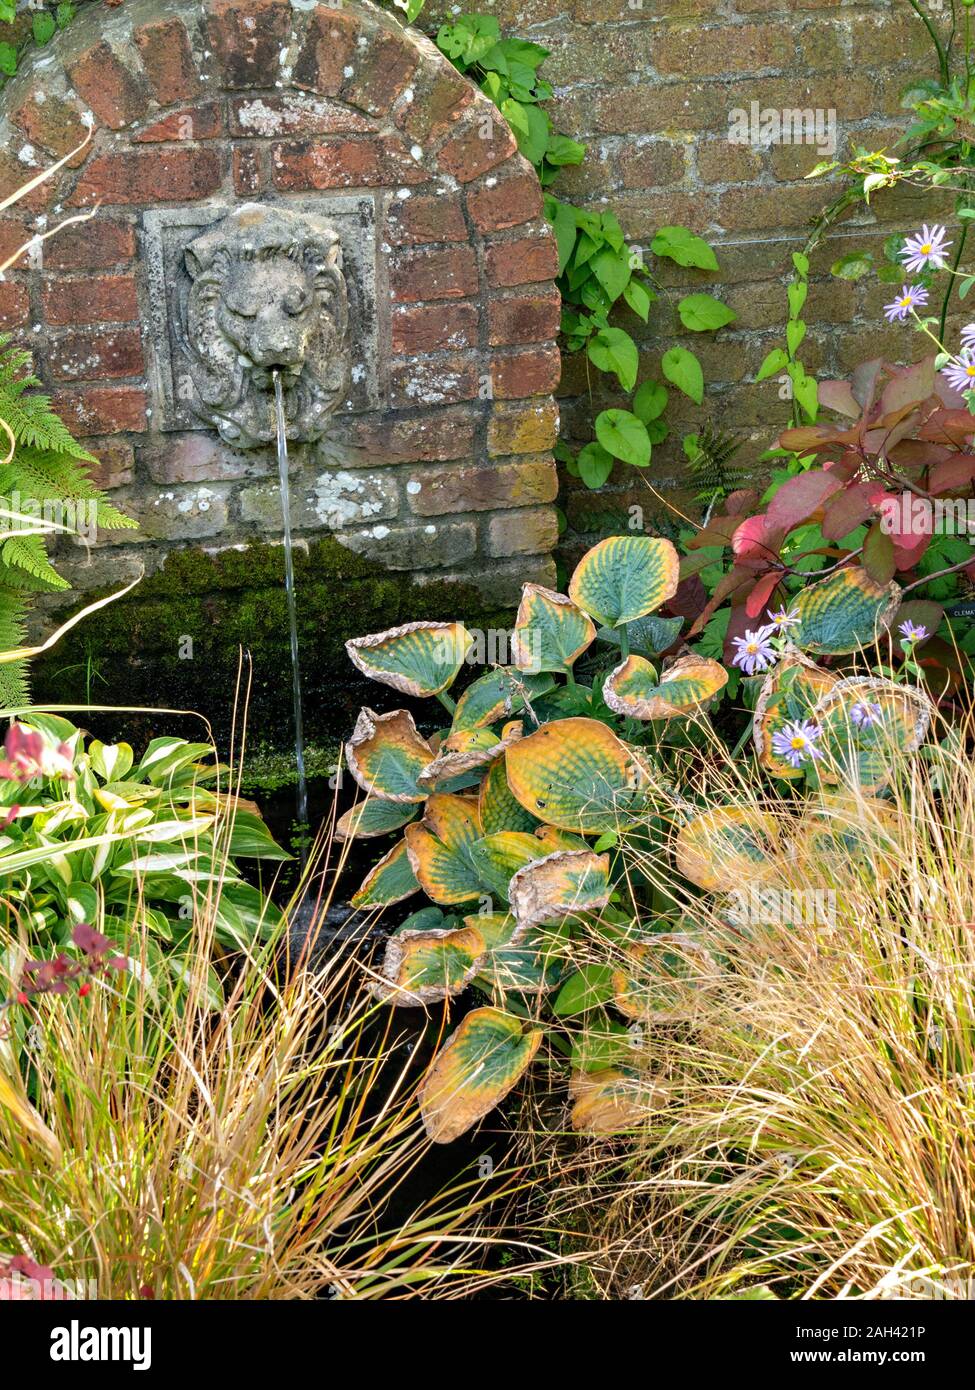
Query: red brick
[[93, 245], [415, 220], [440, 98], [472, 489], [203, 122], [532, 318], [14, 175], [115, 466], [117, 97], [505, 202], [168, 61], [420, 328], [441, 380], [97, 355], [380, 73], [94, 299], [526, 374], [149, 176], [421, 275], [248, 169], [247, 37], [102, 409], [14, 306], [522, 262], [531, 532], [329, 48], [295, 116], [484, 143], [14, 233], [53, 124], [363, 162], [435, 439], [196, 457]]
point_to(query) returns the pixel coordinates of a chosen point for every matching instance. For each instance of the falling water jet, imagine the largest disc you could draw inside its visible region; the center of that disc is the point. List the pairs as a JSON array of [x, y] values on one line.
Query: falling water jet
[[289, 587]]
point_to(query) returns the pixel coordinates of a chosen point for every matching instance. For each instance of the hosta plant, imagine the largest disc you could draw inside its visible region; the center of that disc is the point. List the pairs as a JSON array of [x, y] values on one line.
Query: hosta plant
[[90, 835]]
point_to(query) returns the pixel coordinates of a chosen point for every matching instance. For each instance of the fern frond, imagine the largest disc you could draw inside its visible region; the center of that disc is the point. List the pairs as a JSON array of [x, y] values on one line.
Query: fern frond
[[13, 679]]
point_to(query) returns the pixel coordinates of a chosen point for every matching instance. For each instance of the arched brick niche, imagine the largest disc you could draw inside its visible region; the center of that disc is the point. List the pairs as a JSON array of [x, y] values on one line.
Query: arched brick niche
[[439, 461]]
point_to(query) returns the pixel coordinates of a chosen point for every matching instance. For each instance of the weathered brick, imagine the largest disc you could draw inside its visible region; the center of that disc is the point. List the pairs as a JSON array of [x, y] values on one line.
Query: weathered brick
[[52, 123], [521, 262], [445, 379], [440, 98], [416, 276], [168, 61], [93, 245], [333, 499], [524, 318], [380, 72], [419, 219], [115, 94], [200, 457], [247, 37], [14, 306], [366, 161], [14, 174], [248, 162], [96, 354], [419, 547], [328, 49], [295, 115], [691, 50], [201, 122], [14, 233], [93, 299], [102, 409], [718, 161], [651, 166], [531, 532], [484, 142], [523, 429], [525, 373], [432, 439], [193, 514], [115, 465], [150, 176], [501, 202], [418, 328], [438, 492]]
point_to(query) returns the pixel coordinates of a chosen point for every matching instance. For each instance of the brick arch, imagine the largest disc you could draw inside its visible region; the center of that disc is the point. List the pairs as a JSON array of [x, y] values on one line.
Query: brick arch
[[449, 467]]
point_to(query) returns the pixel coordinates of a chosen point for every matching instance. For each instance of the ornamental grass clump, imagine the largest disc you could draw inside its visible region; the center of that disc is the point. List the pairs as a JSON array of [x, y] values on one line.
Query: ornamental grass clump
[[810, 1132]]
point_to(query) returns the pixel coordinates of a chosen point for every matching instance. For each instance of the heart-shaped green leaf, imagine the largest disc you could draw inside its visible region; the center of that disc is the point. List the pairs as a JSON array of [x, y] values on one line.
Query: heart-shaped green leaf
[[550, 631], [576, 774], [418, 659], [844, 612], [625, 577], [474, 1071]]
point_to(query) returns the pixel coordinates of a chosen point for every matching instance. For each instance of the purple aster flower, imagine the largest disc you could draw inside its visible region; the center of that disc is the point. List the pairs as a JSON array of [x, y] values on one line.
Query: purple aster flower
[[797, 742], [913, 632], [960, 371], [927, 248], [968, 336], [755, 652], [910, 296], [785, 618], [865, 713]]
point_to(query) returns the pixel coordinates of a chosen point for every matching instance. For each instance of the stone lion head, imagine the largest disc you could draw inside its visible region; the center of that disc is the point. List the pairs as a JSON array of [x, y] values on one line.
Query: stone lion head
[[267, 295]]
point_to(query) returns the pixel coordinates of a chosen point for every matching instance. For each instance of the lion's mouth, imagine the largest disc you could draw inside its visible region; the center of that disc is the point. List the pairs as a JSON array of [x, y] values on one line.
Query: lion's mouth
[[262, 377]]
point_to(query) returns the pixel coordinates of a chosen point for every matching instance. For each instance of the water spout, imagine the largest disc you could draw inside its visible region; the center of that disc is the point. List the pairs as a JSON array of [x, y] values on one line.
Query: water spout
[[289, 587]]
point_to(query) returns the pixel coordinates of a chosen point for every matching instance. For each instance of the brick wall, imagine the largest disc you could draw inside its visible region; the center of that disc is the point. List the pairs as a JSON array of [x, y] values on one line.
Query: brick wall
[[237, 100], [649, 85]]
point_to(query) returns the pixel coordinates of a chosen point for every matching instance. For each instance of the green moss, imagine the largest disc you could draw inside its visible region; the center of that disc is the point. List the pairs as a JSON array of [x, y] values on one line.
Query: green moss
[[176, 641], [269, 769]]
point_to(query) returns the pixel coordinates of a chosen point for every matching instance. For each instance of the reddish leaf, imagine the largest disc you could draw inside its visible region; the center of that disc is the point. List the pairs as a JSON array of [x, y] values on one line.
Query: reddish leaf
[[689, 599], [911, 456], [729, 585], [755, 543], [863, 382], [742, 501], [907, 389], [954, 427], [758, 599], [878, 555], [854, 505], [800, 498], [838, 396], [816, 439], [955, 472]]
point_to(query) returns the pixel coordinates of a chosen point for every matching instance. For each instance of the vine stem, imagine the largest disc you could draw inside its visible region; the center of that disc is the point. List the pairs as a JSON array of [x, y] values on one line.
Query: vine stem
[[939, 49]]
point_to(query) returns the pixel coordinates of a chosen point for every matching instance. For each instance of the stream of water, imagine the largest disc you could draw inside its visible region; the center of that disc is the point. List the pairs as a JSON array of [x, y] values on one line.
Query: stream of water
[[289, 587]]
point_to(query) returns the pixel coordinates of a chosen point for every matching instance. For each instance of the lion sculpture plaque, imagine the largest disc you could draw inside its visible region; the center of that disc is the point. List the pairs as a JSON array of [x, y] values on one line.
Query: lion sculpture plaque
[[267, 294]]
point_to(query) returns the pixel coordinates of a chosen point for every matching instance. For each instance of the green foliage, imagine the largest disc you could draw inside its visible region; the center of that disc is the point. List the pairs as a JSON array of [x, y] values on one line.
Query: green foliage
[[45, 21], [129, 847], [44, 490]]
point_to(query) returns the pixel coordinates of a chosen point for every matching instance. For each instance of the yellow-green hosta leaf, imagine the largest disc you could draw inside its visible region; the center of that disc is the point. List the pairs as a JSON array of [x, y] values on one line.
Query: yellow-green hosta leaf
[[550, 631], [498, 929], [844, 612], [497, 857], [529, 966], [610, 1102], [576, 774], [789, 693], [868, 725], [474, 1070], [625, 577], [562, 884], [439, 848], [386, 755], [111, 761], [727, 847], [551, 839], [374, 817], [634, 690], [659, 976], [466, 750], [499, 810], [418, 659], [390, 881], [841, 827], [497, 695], [421, 967]]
